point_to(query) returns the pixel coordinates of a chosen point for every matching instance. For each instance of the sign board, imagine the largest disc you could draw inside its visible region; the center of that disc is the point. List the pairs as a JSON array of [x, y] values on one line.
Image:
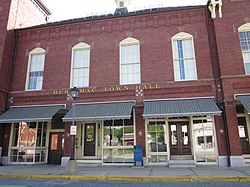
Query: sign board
[[72, 130]]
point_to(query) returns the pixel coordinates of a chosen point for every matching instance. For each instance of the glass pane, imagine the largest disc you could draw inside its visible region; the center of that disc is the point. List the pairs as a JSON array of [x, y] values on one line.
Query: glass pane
[[23, 134], [62, 142], [161, 142], [39, 137], [37, 62], [200, 158], [107, 133], [204, 135], [242, 133], [81, 58], [211, 158], [54, 142], [107, 156], [118, 155], [90, 134], [13, 155], [31, 134], [30, 155], [151, 138], [162, 158], [184, 132], [129, 135], [152, 159], [128, 155], [117, 139], [151, 127], [15, 139], [173, 135]]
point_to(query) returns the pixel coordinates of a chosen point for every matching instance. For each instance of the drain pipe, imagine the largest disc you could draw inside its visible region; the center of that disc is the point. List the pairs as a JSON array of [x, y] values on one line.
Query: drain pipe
[[217, 73], [11, 76]]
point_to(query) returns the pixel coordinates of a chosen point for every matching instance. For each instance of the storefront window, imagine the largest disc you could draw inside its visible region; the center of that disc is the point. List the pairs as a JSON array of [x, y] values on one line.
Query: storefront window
[[204, 140], [156, 142], [156, 137], [118, 141], [28, 142]]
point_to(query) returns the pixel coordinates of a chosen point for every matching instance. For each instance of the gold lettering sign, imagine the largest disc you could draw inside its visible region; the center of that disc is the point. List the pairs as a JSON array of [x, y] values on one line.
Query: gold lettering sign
[[109, 89], [116, 88]]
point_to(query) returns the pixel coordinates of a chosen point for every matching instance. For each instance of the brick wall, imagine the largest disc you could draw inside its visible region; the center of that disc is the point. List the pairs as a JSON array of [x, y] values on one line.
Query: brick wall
[[234, 80], [104, 36]]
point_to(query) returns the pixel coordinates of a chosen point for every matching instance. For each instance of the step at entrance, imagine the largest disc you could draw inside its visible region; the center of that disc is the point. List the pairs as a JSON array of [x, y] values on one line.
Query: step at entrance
[[181, 157], [90, 162], [181, 161]]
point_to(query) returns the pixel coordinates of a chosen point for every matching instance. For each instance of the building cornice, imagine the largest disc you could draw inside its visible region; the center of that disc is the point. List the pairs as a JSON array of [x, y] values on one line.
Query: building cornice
[[113, 24]]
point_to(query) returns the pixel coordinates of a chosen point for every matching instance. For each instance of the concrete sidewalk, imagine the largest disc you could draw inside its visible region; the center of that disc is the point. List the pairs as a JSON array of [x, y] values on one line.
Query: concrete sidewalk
[[128, 173]]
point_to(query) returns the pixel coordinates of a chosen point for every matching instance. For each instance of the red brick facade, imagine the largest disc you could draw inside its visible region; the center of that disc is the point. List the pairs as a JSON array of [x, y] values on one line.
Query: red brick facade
[[13, 14], [218, 61]]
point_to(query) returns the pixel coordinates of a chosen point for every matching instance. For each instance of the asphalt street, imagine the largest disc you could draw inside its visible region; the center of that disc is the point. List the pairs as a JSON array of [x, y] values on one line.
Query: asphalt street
[[78, 183]]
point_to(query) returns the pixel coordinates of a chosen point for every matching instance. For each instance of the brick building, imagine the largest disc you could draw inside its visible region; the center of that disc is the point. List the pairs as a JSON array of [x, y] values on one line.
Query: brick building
[[174, 80]]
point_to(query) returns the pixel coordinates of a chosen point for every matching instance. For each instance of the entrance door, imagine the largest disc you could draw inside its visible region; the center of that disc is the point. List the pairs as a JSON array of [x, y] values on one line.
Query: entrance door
[[89, 139], [56, 145], [179, 138], [243, 134]]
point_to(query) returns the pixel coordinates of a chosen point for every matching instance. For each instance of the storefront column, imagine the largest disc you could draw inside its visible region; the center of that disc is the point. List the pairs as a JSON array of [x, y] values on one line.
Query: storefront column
[[221, 134], [140, 127], [6, 129], [67, 144], [236, 158]]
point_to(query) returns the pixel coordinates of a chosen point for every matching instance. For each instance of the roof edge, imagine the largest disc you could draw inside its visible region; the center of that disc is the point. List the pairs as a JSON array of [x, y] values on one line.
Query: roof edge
[[43, 7]]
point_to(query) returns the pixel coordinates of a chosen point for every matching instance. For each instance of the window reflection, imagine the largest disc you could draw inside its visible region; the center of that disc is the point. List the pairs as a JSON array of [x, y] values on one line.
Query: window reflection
[[204, 135], [118, 141], [156, 137], [28, 142]]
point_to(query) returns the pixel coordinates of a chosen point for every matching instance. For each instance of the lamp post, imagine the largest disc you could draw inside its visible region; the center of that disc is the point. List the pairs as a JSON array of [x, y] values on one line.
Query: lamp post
[[74, 94], [72, 167]]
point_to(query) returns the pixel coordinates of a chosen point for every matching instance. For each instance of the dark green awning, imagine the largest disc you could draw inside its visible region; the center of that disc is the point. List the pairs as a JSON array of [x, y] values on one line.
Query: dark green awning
[[30, 113], [100, 111], [245, 100], [180, 108]]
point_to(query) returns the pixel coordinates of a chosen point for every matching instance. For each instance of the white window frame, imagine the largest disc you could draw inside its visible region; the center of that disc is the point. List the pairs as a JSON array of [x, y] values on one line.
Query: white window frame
[[36, 51], [241, 29], [183, 36], [79, 47], [129, 42]]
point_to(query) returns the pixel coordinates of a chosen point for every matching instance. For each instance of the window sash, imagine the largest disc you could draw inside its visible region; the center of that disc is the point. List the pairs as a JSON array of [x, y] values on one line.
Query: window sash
[[245, 49], [80, 69], [130, 64], [184, 60], [36, 71]]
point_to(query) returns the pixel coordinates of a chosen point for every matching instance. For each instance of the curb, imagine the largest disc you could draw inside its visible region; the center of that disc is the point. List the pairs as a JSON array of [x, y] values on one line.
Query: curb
[[132, 179]]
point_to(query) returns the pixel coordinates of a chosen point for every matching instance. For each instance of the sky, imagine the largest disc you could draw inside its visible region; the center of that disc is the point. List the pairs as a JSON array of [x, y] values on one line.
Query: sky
[[70, 9]]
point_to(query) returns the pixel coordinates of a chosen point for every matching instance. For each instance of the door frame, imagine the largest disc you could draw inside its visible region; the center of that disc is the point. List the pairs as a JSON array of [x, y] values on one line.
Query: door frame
[[246, 131], [49, 144], [95, 137], [178, 123]]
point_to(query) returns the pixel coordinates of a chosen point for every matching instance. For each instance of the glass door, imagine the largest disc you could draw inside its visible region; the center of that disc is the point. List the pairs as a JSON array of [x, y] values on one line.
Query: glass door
[[179, 138]]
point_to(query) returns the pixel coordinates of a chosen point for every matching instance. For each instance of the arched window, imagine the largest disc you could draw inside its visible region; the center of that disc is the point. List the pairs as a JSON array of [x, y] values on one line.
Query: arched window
[[130, 72], [35, 69], [244, 34], [184, 57], [80, 65]]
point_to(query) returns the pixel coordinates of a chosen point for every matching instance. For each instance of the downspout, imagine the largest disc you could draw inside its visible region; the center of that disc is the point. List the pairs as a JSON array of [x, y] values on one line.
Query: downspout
[[11, 77], [217, 73]]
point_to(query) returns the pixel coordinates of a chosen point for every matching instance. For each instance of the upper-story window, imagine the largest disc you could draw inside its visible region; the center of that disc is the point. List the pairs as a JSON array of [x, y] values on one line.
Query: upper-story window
[[80, 65], [130, 72], [244, 34], [35, 69], [184, 57]]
